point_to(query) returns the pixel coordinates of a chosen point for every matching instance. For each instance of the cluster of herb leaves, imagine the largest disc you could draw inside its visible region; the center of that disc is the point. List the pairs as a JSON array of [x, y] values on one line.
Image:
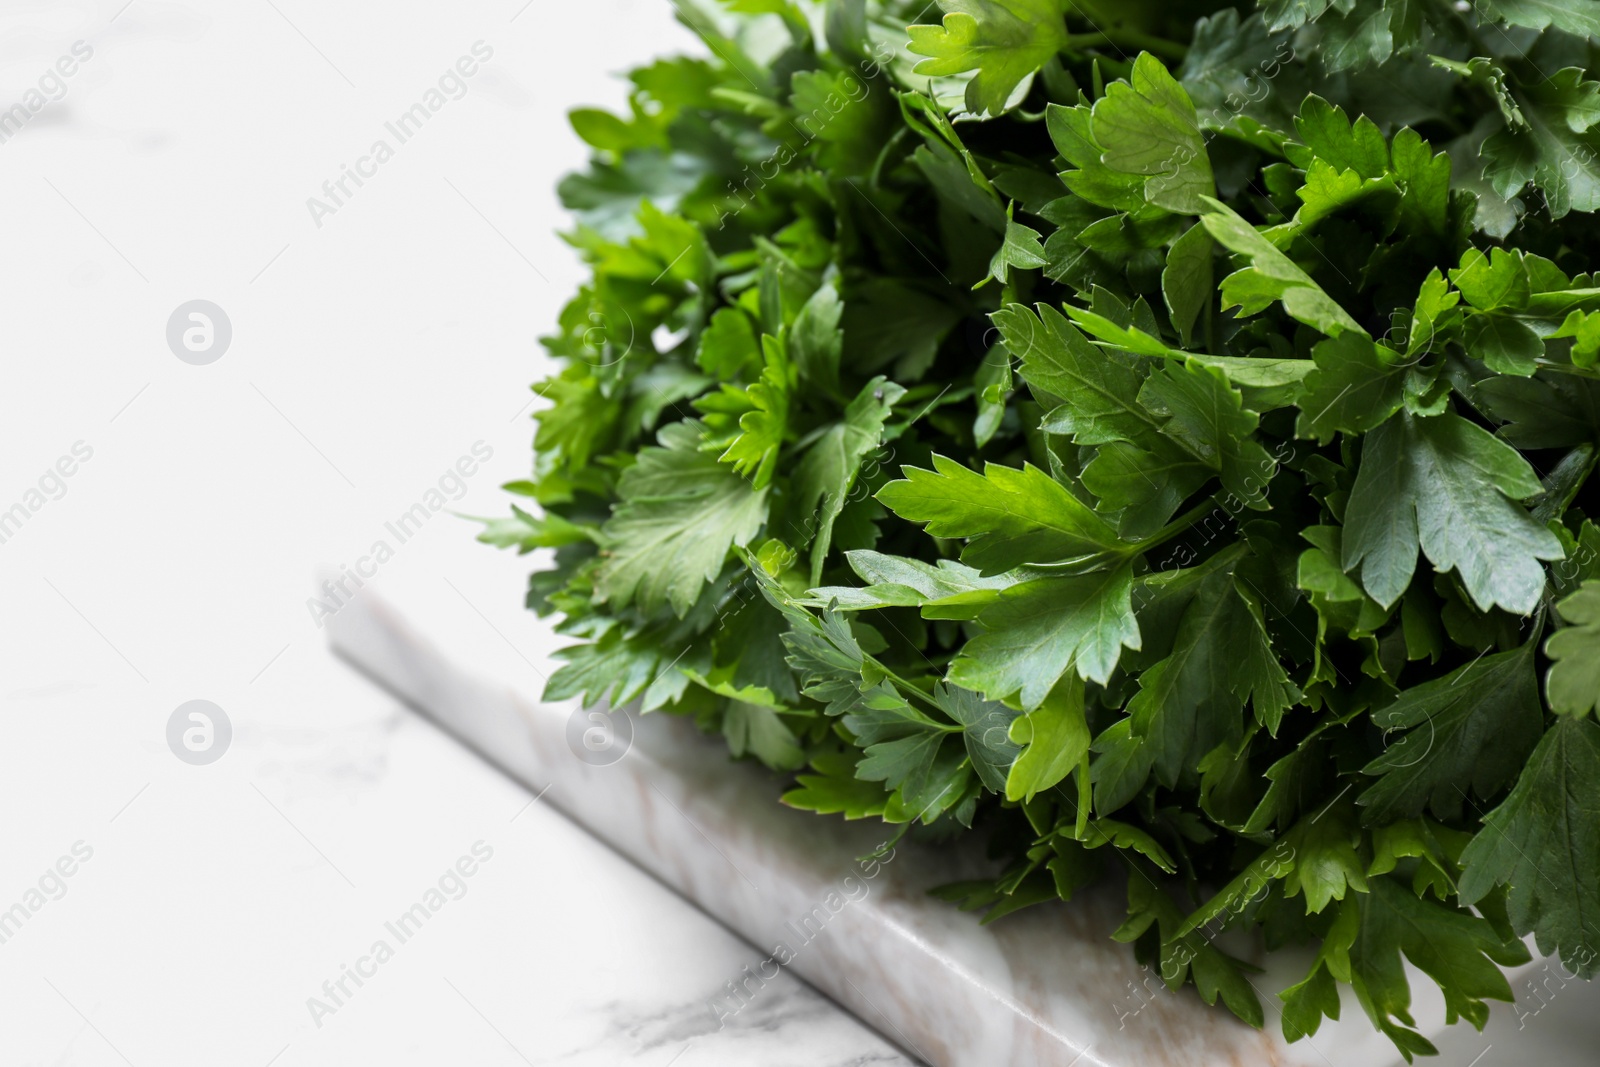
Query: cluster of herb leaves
[[1153, 435]]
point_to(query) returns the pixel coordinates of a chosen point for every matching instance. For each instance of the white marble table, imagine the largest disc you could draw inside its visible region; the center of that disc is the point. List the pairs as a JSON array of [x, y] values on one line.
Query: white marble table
[[218, 901], [368, 354]]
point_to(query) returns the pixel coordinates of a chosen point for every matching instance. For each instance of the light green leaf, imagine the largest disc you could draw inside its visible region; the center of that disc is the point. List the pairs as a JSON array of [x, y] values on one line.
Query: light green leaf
[[748, 427], [1020, 248], [526, 532], [1451, 488], [680, 513], [1004, 41], [837, 791], [944, 590], [1055, 738], [1574, 16], [1271, 276], [1101, 391], [1186, 282], [1010, 516], [1573, 682], [1356, 386], [761, 731], [1072, 132], [1506, 345], [1148, 126], [1039, 630]]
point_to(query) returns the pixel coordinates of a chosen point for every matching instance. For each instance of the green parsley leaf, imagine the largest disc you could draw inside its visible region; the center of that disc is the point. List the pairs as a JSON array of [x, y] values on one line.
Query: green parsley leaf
[[1573, 682], [1038, 630], [1009, 516], [680, 513], [1271, 276], [1472, 729], [1445, 485], [1004, 41], [1148, 126], [1543, 842]]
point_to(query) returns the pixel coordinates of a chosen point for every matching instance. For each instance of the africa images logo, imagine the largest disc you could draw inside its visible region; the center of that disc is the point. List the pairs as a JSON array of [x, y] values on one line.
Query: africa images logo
[[199, 732]]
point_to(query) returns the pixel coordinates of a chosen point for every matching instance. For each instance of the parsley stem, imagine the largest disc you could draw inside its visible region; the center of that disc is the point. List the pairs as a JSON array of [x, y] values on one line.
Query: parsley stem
[[1130, 38], [1562, 484], [1592, 373], [913, 690], [1180, 524], [1107, 31]]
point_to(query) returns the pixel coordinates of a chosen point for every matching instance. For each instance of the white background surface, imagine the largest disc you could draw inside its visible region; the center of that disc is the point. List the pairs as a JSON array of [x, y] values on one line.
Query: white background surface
[[367, 356]]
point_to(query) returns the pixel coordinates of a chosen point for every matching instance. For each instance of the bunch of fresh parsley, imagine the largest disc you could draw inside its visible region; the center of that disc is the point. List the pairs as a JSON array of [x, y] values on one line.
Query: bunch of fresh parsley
[[1154, 435]]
